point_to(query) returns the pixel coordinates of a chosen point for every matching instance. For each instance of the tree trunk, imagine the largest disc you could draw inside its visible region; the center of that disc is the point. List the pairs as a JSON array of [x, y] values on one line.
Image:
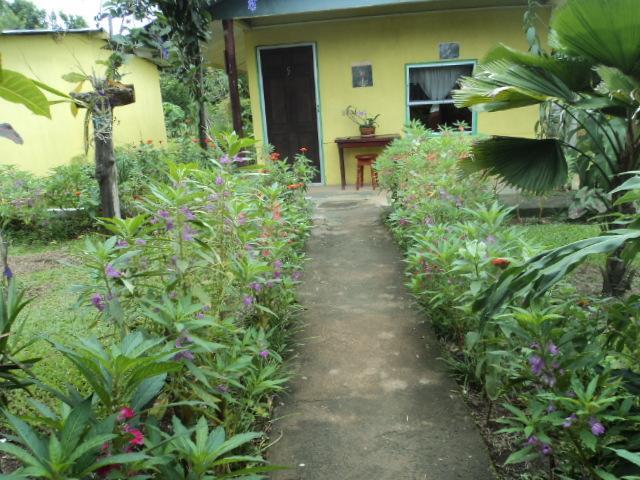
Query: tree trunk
[[106, 169], [202, 113]]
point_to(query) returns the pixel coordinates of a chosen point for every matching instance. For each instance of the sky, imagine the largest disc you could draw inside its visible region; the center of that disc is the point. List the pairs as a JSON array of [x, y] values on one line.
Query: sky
[[85, 8]]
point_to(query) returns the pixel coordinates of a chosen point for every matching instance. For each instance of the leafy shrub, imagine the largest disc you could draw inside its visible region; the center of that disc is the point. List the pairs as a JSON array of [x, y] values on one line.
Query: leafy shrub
[[564, 367]]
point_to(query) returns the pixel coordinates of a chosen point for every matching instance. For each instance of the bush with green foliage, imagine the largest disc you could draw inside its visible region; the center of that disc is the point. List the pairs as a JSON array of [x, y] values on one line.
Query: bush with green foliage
[[564, 367], [198, 290]]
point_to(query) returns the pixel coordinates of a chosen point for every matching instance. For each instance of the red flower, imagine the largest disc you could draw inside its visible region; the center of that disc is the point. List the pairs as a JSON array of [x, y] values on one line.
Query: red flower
[[126, 413], [275, 156], [138, 436], [77, 194], [304, 150], [501, 262]]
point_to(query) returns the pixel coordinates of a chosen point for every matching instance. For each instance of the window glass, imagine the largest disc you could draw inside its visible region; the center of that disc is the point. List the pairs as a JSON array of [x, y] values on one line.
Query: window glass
[[430, 99]]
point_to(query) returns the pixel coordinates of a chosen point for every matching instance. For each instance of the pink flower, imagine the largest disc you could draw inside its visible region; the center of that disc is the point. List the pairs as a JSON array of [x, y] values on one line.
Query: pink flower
[[138, 436], [126, 413], [264, 353]]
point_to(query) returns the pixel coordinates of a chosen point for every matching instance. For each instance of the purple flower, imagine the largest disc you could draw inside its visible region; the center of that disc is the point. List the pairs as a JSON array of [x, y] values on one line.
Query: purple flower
[[98, 301], [122, 243], [277, 274], [546, 449], [255, 286], [183, 340], [248, 300], [187, 233], [223, 388], [534, 346], [225, 160], [490, 239], [219, 180], [297, 275], [188, 213], [553, 349], [163, 213], [111, 272], [277, 265], [403, 222], [252, 5], [551, 408], [537, 364], [596, 427], [7, 272], [568, 422], [242, 218], [532, 440], [184, 355], [264, 353], [199, 315], [428, 221], [169, 225]]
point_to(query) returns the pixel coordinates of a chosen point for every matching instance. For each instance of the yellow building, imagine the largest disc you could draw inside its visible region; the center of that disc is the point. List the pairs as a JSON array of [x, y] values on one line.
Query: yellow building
[[46, 56], [308, 60]]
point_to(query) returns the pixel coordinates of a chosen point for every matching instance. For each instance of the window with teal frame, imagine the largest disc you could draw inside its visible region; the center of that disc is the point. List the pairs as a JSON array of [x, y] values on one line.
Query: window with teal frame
[[429, 95]]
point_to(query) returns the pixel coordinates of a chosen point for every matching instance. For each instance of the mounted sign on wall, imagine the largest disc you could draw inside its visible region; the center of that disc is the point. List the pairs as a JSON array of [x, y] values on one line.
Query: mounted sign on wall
[[449, 51], [362, 75]]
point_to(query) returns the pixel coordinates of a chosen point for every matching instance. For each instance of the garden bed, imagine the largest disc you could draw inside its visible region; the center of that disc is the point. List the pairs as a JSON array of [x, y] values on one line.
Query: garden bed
[[550, 382], [176, 321]]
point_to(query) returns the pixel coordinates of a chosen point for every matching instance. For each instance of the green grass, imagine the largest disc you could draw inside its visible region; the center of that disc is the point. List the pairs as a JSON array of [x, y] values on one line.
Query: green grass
[[53, 314], [552, 235]]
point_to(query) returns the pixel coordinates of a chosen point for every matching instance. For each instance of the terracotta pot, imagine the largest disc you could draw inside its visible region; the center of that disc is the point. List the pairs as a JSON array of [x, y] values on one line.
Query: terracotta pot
[[367, 131]]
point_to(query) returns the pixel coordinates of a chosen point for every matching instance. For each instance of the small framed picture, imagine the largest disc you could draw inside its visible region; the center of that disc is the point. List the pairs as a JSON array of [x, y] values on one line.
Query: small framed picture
[[449, 51], [362, 75]]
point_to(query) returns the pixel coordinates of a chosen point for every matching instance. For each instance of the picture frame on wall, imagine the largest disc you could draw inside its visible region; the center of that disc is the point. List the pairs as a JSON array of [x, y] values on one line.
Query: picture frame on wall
[[362, 75]]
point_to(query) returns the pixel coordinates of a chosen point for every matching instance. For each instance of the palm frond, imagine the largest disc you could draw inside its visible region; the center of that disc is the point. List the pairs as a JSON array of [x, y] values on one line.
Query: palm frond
[[602, 31], [532, 165]]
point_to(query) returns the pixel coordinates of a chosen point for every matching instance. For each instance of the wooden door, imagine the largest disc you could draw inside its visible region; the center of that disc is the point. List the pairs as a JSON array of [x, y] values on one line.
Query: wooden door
[[289, 89]]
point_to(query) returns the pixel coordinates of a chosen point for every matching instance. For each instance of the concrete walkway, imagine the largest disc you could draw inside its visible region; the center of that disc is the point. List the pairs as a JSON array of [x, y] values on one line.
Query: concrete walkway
[[371, 400]]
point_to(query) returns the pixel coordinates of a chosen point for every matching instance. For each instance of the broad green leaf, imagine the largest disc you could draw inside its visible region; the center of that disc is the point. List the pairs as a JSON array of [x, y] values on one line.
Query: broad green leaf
[[523, 455], [632, 457], [532, 165], [17, 88], [603, 31]]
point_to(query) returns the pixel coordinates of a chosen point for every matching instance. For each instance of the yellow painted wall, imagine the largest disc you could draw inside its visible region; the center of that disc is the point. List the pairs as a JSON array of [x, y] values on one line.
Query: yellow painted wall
[[389, 43], [49, 143]]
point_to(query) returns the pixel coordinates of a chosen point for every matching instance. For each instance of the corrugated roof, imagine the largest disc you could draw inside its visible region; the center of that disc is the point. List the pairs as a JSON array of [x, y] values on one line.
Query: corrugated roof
[[50, 31]]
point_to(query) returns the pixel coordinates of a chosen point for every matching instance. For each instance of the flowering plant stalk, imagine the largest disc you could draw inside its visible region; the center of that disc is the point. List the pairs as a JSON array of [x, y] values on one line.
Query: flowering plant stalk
[[360, 117]]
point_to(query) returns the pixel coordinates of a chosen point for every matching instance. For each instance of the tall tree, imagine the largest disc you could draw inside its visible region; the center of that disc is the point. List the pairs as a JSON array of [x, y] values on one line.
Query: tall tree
[[24, 14]]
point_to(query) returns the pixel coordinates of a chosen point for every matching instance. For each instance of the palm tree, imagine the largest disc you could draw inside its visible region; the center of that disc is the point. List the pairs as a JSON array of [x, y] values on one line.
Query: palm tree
[[592, 79]]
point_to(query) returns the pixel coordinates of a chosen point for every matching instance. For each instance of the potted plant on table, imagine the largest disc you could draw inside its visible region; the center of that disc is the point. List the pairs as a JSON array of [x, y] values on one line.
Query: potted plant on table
[[366, 123]]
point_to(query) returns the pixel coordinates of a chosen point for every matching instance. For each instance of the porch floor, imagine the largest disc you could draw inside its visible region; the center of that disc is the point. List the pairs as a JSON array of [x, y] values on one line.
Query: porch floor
[[370, 399]]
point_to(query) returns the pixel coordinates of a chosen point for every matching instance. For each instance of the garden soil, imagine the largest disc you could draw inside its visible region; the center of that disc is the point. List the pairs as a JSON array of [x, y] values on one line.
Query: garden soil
[[370, 400]]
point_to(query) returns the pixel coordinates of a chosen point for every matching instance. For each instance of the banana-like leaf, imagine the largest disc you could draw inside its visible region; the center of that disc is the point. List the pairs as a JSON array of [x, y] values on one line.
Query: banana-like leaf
[[538, 275], [17, 88], [7, 131], [532, 165], [602, 31]]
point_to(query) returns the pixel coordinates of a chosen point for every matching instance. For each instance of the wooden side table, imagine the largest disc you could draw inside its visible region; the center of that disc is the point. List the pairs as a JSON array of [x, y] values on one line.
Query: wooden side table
[[379, 141]]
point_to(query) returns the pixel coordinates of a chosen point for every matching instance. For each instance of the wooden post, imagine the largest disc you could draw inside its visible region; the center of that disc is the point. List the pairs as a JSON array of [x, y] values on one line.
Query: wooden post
[[106, 168], [232, 73], [102, 103]]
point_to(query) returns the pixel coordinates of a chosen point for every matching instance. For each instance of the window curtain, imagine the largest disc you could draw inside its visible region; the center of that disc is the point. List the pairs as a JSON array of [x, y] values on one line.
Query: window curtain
[[437, 82]]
